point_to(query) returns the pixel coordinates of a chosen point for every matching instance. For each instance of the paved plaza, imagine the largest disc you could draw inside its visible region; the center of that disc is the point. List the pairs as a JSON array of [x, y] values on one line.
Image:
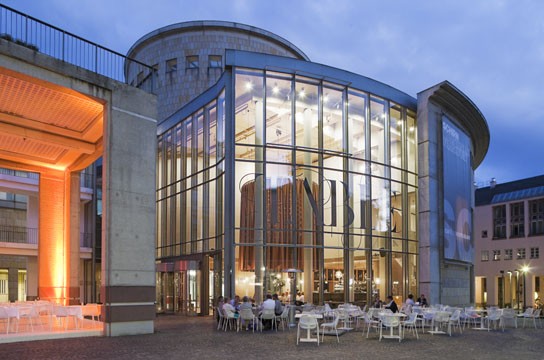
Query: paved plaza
[[178, 337]]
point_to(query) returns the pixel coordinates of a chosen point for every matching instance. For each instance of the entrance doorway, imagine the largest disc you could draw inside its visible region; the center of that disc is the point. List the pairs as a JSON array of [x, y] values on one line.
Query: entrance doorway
[[185, 287]]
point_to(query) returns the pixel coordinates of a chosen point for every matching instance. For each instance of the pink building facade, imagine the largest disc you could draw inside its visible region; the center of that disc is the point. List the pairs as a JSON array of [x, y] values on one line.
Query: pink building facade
[[509, 231]]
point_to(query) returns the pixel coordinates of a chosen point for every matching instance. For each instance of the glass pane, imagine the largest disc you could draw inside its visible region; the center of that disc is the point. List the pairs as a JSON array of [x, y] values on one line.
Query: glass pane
[[248, 106], [278, 111], [396, 132], [377, 131], [356, 124], [306, 116], [332, 119], [411, 147]]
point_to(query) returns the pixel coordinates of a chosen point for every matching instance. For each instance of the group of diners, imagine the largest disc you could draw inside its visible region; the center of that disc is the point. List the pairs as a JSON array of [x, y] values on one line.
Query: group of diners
[[232, 307], [392, 305]]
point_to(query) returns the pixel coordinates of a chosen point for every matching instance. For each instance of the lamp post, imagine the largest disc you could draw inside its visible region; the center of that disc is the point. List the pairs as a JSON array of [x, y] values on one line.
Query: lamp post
[[524, 270], [517, 287], [501, 303], [509, 272]]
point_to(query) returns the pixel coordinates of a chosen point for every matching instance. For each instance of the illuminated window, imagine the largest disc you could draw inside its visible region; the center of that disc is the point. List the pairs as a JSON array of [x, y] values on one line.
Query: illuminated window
[[508, 254], [485, 255], [520, 254], [496, 255]]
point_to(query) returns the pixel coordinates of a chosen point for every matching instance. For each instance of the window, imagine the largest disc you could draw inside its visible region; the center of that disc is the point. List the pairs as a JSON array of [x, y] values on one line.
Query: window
[[496, 255], [499, 222], [521, 254], [171, 66], [536, 216], [517, 219], [485, 255], [191, 62], [535, 253], [215, 61], [484, 233], [508, 254]]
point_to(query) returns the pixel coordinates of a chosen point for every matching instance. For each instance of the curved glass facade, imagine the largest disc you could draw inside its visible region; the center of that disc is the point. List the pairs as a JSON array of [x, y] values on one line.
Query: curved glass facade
[[316, 193]]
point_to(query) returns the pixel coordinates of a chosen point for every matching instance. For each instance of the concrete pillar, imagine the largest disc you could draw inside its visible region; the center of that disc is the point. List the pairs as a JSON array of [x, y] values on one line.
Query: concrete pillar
[[58, 249], [128, 213]]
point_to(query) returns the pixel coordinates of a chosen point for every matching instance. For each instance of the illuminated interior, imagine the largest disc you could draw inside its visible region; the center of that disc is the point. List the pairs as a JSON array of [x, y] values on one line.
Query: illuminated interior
[[325, 186]]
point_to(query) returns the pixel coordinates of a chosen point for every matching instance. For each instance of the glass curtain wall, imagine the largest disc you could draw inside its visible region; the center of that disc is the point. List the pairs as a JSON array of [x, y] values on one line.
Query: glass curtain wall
[[190, 180], [326, 189]]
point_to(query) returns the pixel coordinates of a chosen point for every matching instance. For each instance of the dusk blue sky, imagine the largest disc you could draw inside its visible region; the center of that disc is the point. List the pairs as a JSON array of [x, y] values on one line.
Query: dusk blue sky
[[492, 50]]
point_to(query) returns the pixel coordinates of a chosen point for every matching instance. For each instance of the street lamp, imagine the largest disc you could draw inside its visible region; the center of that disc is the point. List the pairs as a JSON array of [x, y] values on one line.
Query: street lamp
[[517, 286], [501, 304], [524, 270]]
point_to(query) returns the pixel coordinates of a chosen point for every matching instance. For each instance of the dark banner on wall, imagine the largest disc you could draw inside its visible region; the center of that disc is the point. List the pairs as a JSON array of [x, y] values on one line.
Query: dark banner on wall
[[458, 244]]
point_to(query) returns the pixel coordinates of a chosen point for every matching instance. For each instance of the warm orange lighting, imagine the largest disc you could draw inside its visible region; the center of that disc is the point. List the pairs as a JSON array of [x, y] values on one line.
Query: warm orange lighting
[[52, 247]]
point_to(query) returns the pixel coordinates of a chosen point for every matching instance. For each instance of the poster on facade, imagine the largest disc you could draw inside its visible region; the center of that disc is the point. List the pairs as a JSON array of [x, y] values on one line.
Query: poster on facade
[[458, 243]]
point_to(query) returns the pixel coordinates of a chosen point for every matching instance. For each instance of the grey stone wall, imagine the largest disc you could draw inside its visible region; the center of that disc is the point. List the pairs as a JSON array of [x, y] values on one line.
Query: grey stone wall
[[175, 89]]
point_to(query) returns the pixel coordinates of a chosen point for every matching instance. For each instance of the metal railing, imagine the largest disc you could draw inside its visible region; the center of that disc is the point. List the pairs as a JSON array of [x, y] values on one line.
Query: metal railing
[[37, 35], [24, 235], [85, 240], [18, 234], [23, 174]]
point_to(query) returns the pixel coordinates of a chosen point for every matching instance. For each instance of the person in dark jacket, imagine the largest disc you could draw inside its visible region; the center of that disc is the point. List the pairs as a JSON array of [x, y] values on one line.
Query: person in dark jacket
[[391, 304]]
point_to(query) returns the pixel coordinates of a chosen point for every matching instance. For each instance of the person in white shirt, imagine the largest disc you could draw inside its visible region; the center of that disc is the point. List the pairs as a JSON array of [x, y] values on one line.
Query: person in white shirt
[[228, 308], [269, 303]]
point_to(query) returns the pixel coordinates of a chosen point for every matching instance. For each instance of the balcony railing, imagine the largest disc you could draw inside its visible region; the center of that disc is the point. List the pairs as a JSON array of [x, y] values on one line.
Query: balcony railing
[[23, 174], [18, 234], [24, 235], [37, 35], [85, 240]]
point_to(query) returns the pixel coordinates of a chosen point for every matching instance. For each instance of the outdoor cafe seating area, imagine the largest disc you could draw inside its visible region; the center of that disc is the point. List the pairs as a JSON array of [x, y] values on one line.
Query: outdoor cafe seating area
[[41, 319], [314, 323]]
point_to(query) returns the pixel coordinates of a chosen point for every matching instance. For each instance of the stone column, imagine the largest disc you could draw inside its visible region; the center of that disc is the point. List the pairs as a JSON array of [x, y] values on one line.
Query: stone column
[[58, 249]]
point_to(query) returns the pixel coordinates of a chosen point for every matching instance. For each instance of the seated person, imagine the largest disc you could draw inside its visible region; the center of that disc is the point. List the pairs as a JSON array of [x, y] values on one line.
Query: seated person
[[391, 304], [246, 304], [278, 308], [268, 304], [228, 309], [422, 300]]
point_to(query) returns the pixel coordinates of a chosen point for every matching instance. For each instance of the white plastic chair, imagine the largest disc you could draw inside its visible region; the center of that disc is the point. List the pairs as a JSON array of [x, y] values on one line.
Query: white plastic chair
[[371, 322], [221, 318], [411, 323], [269, 314], [4, 315], [508, 315], [246, 317], [391, 322], [534, 316], [493, 315], [332, 326], [284, 318], [308, 323]]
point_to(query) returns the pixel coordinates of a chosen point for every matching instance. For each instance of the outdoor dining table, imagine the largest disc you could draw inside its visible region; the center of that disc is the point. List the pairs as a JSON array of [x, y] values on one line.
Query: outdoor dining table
[[480, 312], [438, 318]]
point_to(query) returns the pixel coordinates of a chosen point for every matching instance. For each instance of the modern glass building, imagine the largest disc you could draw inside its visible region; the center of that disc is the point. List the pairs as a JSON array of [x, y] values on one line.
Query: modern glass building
[[293, 177]]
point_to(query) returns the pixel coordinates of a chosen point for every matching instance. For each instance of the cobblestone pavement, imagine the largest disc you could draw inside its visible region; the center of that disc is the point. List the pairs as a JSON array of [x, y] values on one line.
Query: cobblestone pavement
[[179, 337]]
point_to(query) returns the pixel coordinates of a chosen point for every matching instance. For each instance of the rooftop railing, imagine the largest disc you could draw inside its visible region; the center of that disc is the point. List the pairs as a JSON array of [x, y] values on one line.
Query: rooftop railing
[[37, 35]]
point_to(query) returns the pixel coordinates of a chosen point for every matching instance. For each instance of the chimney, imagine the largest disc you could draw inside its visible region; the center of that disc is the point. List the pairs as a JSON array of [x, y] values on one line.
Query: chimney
[[492, 183]]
